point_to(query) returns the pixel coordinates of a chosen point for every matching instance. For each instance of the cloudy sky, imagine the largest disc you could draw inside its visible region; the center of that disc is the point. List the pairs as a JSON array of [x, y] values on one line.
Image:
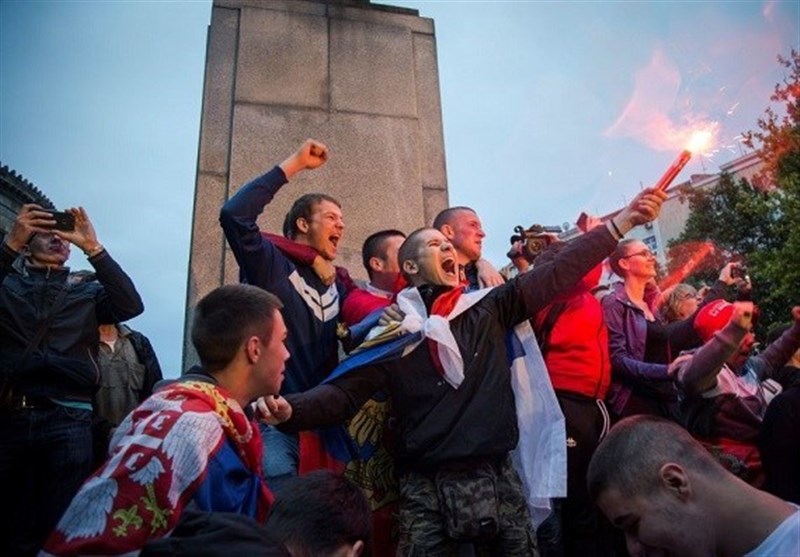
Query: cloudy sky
[[559, 107]]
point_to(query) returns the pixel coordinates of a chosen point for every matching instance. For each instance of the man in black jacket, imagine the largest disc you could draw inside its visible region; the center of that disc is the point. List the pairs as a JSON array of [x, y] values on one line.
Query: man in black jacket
[[48, 372], [451, 416]]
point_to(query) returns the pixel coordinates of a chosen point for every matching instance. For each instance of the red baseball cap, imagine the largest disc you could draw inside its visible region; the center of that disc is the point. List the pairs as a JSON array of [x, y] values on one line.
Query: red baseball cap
[[712, 318]]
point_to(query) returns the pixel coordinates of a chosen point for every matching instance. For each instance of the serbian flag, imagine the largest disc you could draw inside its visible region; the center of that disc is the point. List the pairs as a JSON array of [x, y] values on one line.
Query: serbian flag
[[160, 457], [540, 457]]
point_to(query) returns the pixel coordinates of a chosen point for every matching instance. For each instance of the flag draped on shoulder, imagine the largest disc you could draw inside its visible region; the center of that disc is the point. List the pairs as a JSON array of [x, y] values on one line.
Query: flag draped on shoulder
[[159, 457], [540, 457]]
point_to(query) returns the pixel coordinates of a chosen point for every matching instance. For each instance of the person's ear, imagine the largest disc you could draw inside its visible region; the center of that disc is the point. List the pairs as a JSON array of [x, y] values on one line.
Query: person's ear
[[376, 264], [252, 349], [675, 480], [302, 225], [410, 267], [357, 549], [447, 231]]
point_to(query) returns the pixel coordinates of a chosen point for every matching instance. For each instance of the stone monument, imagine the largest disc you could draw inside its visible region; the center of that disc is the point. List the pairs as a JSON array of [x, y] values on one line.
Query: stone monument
[[360, 77]]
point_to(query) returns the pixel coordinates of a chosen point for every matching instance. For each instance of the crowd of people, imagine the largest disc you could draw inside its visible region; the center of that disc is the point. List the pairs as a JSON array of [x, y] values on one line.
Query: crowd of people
[[437, 409]]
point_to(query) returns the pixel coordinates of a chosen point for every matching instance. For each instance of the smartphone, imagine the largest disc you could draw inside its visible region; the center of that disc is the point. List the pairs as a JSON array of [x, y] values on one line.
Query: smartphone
[[64, 221]]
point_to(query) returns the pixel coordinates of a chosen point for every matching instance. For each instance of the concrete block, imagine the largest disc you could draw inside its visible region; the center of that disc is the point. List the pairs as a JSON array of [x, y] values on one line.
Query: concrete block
[[372, 69], [373, 168], [309, 7], [435, 201], [431, 136], [283, 59], [218, 91]]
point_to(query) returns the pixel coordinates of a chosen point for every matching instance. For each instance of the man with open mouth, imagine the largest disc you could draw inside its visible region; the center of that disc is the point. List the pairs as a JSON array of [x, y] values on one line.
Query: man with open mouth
[[311, 303], [456, 415]]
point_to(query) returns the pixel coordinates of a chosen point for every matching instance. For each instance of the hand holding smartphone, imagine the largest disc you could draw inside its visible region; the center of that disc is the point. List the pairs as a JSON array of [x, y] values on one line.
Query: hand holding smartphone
[[64, 221]]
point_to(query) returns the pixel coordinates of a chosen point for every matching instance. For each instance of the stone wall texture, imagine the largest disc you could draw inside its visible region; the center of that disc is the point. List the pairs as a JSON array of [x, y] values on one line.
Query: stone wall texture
[[360, 77]]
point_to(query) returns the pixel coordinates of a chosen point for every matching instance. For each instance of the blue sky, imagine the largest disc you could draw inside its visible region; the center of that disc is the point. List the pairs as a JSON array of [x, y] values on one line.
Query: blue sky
[[550, 108]]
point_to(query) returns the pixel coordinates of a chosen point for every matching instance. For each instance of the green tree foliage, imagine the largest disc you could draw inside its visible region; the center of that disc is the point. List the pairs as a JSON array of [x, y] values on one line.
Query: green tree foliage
[[759, 225]]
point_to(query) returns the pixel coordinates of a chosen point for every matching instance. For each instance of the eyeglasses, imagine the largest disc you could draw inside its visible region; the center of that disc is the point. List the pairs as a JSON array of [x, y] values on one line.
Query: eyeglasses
[[643, 253]]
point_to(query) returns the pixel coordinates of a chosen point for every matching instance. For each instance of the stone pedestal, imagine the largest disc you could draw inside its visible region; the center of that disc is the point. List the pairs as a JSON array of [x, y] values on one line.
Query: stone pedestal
[[360, 77]]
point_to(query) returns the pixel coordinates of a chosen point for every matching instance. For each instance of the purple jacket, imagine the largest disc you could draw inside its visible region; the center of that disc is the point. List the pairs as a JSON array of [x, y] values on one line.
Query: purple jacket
[[627, 337]]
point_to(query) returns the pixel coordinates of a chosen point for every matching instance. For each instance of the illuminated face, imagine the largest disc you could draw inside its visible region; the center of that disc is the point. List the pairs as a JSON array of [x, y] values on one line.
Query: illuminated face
[[323, 229], [435, 261], [466, 234], [272, 362], [638, 261], [46, 248], [659, 524]]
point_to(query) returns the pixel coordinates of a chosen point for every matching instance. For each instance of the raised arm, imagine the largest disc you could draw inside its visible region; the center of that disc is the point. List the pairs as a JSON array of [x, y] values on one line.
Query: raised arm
[[118, 300], [697, 373], [778, 352], [545, 281], [256, 255]]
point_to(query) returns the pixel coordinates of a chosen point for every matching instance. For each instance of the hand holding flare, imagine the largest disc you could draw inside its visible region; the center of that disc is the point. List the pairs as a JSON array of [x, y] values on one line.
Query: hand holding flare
[[698, 141]]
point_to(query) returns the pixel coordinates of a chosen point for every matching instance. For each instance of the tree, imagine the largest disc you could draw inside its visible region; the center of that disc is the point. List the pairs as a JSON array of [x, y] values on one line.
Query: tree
[[778, 136], [757, 224]]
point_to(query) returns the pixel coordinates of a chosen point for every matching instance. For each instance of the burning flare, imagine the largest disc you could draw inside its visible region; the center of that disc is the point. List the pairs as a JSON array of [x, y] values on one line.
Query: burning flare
[[699, 141]]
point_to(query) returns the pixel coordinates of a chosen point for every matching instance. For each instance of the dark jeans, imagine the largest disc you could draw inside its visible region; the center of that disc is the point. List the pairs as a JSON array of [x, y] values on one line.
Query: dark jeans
[[281, 457], [45, 455]]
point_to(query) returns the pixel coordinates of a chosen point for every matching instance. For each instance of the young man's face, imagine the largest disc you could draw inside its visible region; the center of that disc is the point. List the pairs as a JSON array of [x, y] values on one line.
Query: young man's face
[[435, 262], [46, 248], [323, 229], [657, 525], [273, 361], [466, 234]]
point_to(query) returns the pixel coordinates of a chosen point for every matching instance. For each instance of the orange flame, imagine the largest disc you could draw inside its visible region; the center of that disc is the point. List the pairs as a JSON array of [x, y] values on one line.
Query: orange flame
[[700, 140]]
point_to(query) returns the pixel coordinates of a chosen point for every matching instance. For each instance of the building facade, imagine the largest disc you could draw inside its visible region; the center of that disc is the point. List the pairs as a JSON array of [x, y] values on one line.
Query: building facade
[[16, 191]]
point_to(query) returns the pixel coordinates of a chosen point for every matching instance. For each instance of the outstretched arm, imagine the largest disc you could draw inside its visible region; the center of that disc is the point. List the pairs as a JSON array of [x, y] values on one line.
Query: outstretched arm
[[119, 300], [545, 281], [778, 352], [328, 404]]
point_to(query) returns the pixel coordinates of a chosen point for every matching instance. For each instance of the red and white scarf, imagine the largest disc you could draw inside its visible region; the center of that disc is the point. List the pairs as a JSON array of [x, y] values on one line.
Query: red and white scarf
[[159, 456]]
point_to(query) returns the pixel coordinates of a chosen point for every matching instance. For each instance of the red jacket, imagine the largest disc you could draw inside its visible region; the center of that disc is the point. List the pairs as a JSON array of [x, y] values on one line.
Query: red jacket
[[360, 303], [576, 349]]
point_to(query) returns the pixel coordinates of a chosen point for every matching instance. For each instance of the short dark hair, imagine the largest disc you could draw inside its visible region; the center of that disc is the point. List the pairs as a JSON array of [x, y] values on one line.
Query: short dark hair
[[318, 512], [619, 253], [227, 316], [408, 249], [631, 455], [375, 246], [446, 216], [302, 207]]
